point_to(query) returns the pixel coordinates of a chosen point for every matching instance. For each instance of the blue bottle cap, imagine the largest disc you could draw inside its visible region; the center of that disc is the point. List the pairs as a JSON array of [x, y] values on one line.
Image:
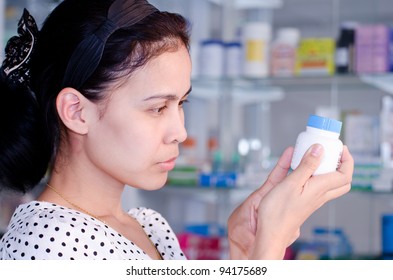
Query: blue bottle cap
[[212, 42], [324, 123], [233, 44]]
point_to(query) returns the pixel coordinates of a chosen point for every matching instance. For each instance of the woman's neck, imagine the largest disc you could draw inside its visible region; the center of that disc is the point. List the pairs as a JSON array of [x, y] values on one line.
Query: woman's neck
[[84, 185]]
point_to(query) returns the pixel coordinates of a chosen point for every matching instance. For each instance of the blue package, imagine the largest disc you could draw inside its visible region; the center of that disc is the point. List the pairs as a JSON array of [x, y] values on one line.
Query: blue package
[[218, 179]]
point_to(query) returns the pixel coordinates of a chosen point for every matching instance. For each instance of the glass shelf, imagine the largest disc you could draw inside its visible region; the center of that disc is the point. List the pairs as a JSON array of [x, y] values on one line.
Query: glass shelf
[[242, 90], [273, 87], [186, 189], [252, 4]]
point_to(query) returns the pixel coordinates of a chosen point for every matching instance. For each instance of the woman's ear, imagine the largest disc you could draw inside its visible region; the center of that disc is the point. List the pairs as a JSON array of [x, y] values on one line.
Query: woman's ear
[[72, 108]]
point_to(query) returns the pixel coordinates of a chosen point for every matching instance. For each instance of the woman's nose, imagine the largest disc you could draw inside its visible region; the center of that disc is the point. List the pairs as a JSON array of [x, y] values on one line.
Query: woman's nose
[[177, 131]]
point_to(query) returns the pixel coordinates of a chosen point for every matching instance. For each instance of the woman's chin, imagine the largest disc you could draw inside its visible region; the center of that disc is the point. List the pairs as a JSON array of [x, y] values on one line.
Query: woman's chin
[[150, 185]]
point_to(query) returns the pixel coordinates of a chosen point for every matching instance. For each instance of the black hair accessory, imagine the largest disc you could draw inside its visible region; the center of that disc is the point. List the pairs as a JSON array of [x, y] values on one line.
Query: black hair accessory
[[18, 52], [87, 55]]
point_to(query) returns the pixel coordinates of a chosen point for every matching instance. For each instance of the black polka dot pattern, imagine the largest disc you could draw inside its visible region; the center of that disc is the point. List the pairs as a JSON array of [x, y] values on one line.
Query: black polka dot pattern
[[43, 231]]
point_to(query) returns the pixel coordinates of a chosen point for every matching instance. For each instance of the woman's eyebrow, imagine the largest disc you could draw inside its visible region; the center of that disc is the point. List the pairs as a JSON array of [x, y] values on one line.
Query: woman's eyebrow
[[169, 97]]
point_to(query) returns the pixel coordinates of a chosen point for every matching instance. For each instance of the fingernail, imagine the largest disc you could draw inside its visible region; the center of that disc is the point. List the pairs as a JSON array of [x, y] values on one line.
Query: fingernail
[[316, 150]]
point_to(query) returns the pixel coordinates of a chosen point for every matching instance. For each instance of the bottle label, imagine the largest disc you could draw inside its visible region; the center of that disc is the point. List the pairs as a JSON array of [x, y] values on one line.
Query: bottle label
[[342, 57], [283, 60], [255, 51]]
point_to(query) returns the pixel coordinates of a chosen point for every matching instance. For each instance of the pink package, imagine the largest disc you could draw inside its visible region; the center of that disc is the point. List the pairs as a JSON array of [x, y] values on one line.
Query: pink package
[[199, 247], [372, 53]]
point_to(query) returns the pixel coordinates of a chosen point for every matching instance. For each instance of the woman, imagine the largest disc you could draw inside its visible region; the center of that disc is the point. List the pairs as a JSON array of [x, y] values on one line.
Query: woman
[[103, 85]]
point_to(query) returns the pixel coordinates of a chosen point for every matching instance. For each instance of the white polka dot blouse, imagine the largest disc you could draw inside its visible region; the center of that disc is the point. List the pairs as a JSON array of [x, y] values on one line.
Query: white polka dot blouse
[[43, 231]]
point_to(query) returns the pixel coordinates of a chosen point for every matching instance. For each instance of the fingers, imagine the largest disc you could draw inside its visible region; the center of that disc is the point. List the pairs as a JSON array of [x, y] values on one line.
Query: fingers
[[309, 163], [278, 173], [345, 171], [282, 167], [341, 178], [347, 163], [340, 182]]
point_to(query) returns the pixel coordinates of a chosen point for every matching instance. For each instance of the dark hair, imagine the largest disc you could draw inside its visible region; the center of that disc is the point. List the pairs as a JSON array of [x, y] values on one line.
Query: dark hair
[[29, 124]]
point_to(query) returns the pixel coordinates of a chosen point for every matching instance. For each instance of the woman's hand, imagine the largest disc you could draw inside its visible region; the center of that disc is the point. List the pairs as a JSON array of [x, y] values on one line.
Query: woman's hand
[[268, 221], [242, 224]]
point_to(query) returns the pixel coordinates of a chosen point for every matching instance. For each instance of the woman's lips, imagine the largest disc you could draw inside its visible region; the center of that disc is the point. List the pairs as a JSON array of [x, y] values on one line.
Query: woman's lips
[[168, 165]]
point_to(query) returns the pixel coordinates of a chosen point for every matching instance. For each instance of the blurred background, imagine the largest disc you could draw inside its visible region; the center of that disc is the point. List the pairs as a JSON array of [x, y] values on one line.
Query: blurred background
[[260, 68]]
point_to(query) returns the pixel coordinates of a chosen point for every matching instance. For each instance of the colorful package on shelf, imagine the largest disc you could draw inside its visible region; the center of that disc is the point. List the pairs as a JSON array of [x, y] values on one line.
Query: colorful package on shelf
[[367, 175], [283, 52], [362, 134], [372, 48], [315, 56], [387, 236], [390, 49], [383, 182], [184, 175], [209, 229], [198, 247], [326, 243], [218, 179]]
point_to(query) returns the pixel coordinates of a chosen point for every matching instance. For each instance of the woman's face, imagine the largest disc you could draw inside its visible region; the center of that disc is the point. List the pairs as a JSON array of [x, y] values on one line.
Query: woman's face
[[136, 141]]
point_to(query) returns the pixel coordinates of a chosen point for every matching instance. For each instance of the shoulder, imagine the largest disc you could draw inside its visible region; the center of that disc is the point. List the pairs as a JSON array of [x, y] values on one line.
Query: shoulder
[[159, 231], [150, 219], [146, 214], [41, 230]]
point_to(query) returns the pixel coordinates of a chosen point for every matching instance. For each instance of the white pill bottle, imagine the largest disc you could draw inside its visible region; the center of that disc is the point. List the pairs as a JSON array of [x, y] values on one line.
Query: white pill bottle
[[324, 131]]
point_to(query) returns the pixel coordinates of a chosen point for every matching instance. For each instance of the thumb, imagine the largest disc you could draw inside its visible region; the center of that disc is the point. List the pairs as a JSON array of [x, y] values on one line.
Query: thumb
[[309, 163]]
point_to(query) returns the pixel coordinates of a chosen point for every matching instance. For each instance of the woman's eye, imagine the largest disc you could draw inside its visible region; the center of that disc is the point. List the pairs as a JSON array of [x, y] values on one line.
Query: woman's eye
[[181, 103], [159, 110]]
